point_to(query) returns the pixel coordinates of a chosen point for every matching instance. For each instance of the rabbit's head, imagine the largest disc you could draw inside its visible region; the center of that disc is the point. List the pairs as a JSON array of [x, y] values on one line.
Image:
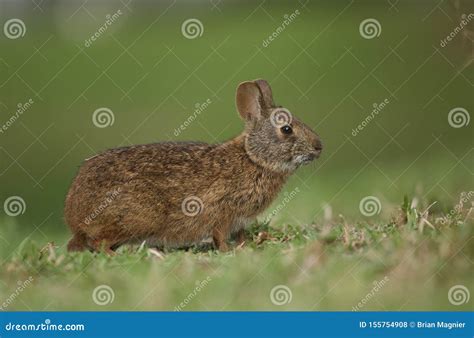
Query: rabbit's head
[[274, 137]]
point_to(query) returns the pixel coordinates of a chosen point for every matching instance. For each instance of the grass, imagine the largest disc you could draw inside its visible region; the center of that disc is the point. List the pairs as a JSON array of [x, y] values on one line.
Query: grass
[[408, 262]]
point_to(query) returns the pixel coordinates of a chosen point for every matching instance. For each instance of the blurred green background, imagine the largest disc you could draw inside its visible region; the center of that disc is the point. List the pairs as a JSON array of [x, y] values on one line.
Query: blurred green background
[[320, 67]]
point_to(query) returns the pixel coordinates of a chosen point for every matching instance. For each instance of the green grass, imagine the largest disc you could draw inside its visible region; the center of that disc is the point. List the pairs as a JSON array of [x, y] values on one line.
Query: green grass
[[329, 265]]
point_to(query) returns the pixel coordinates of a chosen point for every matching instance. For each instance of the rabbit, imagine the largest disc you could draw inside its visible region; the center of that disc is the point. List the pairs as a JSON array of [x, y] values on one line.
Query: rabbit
[[177, 194]]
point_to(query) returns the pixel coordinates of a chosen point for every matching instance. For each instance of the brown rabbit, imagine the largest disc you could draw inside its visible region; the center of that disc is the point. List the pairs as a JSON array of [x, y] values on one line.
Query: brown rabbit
[[176, 194]]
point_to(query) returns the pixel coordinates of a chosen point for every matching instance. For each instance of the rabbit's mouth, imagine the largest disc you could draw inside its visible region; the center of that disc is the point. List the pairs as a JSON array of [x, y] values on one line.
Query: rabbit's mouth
[[306, 159]]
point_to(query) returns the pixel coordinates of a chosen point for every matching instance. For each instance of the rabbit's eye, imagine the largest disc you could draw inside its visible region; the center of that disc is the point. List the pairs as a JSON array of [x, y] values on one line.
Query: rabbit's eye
[[286, 129]]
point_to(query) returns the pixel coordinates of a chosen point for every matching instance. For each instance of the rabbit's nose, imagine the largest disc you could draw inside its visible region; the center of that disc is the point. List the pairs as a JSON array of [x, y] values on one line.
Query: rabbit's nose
[[318, 147]]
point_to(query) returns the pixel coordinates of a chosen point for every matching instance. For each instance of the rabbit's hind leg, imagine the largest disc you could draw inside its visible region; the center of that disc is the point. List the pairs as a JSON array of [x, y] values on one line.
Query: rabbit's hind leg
[[105, 245], [78, 242], [240, 237], [238, 230]]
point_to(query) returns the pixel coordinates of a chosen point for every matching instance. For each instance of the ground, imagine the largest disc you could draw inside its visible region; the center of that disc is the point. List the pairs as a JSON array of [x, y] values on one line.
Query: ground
[[407, 262]]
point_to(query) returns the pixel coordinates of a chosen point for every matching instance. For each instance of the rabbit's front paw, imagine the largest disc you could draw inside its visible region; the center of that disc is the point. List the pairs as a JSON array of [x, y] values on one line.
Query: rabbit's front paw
[[219, 236]]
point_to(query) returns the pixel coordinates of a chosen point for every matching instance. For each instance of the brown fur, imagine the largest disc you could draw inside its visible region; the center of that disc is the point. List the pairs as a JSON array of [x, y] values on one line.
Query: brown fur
[[133, 194]]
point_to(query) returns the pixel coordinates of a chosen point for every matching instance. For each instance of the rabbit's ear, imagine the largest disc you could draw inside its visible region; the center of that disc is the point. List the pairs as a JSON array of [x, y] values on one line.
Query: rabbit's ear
[[248, 100], [266, 90]]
